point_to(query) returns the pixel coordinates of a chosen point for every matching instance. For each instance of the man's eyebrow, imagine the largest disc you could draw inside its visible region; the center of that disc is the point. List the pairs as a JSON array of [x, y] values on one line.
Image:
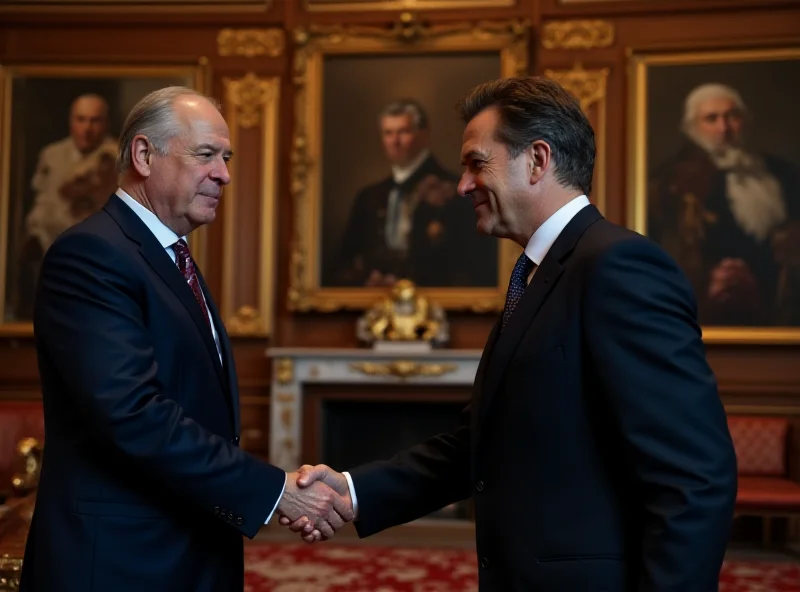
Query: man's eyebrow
[[213, 148]]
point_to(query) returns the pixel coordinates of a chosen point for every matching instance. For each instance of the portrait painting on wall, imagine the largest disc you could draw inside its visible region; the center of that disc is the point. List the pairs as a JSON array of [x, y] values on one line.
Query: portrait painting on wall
[[377, 161], [391, 164], [59, 147], [716, 182]]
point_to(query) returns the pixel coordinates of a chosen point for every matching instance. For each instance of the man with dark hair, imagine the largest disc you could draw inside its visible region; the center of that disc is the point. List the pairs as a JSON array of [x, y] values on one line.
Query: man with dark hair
[[595, 447], [411, 224]]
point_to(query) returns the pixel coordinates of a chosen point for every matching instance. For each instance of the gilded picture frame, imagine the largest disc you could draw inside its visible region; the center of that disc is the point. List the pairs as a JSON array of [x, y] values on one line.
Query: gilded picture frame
[[37, 142], [714, 177], [505, 41]]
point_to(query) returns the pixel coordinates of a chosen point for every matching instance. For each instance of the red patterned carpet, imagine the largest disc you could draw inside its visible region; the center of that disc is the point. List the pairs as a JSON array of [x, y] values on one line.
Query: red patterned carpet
[[340, 568]]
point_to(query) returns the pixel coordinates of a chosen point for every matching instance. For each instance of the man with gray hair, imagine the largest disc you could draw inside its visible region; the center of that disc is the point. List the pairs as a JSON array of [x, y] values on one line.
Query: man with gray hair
[[729, 215], [411, 224], [143, 483]]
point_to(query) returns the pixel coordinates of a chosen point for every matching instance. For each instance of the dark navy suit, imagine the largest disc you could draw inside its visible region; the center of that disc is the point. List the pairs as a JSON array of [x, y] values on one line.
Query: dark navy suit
[[596, 449], [143, 486]]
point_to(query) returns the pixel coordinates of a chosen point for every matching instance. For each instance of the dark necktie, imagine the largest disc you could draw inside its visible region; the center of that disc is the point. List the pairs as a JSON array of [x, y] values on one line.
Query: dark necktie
[[186, 265], [516, 286]]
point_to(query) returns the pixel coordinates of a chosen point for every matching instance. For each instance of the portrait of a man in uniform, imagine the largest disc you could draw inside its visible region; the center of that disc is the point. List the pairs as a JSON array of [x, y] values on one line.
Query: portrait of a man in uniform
[[412, 223]]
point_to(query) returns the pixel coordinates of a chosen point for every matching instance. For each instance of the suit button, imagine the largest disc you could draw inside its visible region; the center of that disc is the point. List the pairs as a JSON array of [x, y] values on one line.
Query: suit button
[[235, 441], [485, 562], [239, 520], [479, 486], [230, 515]]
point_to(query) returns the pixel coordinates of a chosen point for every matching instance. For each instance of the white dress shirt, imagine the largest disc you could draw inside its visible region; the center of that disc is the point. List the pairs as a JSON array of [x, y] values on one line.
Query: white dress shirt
[[167, 238], [536, 249]]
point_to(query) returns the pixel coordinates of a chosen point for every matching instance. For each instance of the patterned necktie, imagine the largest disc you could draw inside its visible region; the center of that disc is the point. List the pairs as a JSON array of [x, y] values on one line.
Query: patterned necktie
[[186, 265], [516, 286]]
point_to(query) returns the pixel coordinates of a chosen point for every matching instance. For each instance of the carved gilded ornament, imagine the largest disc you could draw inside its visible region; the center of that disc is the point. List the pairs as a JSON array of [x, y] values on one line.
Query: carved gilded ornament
[[577, 34], [402, 368], [248, 95], [589, 86], [508, 38], [246, 322], [285, 371], [251, 43]]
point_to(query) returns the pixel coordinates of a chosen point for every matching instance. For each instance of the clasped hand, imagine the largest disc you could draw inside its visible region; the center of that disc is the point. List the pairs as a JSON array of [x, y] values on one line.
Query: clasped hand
[[315, 503]]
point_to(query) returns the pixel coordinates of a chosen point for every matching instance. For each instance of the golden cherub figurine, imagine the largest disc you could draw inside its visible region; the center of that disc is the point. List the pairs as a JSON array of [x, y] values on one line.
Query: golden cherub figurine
[[404, 316]]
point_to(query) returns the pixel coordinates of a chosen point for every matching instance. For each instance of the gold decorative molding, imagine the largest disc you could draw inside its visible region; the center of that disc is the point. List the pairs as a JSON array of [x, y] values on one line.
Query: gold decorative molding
[[251, 43], [248, 96], [508, 38], [590, 87], [285, 371], [246, 322], [10, 572], [361, 6], [251, 101], [402, 368], [577, 34]]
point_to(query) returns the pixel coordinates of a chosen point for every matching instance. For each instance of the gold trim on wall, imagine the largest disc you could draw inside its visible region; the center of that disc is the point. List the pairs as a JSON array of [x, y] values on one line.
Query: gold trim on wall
[[197, 76], [637, 164], [577, 34], [590, 86], [250, 102], [508, 38], [128, 6], [251, 43], [350, 6]]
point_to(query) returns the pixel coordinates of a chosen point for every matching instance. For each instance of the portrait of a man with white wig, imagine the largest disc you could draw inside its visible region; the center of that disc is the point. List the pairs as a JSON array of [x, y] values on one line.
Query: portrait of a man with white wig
[[730, 215]]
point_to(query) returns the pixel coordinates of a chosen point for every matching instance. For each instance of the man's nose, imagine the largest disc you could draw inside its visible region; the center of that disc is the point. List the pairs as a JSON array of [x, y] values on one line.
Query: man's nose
[[220, 173], [467, 184]]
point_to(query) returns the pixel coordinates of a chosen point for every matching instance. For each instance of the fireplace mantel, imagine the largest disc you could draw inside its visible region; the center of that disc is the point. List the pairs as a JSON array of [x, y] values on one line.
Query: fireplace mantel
[[292, 368]]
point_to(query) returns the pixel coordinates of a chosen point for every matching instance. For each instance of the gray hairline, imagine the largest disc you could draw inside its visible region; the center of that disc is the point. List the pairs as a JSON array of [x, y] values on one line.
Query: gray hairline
[[154, 117]]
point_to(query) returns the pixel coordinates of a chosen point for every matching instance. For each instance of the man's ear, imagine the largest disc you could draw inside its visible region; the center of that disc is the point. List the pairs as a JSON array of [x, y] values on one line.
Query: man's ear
[[539, 158], [141, 155]]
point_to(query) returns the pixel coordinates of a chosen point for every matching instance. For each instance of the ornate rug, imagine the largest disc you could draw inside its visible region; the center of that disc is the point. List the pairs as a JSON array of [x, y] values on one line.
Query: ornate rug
[[342, 568]]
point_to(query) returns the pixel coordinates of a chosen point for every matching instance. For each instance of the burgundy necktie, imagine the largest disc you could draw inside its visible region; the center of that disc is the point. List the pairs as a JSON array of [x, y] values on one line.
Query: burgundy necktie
[[186, 265]]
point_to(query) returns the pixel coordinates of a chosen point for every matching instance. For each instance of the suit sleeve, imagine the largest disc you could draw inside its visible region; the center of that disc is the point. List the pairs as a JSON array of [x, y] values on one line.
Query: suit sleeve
[[415, 482], [89, 322], [647, 351]]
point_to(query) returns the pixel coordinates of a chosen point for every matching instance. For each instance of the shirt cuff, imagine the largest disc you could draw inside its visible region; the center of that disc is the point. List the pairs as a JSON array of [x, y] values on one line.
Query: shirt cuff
[[275, 507], [352, 489]]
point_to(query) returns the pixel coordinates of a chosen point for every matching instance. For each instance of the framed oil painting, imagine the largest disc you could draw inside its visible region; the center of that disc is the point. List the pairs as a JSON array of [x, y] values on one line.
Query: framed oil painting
[[376, 162], [715, 180], [59, 130]]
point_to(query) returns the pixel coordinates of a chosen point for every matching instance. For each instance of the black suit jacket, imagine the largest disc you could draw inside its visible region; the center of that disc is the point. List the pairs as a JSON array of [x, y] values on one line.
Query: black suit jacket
[[143, 486], [595, 447]]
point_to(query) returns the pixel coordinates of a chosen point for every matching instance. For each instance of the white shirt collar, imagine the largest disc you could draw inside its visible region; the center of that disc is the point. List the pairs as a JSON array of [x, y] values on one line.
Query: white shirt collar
[[165, 236], [400, 174], [547, 233]]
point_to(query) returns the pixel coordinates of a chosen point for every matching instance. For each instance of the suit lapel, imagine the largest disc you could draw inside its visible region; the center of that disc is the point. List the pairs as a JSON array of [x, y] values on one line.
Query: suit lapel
[[157, 258], [229, 367], [544, 280]]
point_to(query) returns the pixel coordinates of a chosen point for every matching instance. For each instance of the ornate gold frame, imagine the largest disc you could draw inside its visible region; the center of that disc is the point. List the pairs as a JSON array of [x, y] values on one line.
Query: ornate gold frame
[[197, 76], [251, 102], [508, 38], [350, 6], [638, 65]]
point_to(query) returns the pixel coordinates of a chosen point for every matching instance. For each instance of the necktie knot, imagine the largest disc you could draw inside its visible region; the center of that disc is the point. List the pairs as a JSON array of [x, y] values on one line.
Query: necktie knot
[[517, 285]]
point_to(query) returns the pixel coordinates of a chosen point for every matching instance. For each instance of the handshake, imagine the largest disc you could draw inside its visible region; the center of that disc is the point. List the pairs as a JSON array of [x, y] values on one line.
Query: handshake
[[316, 502]]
